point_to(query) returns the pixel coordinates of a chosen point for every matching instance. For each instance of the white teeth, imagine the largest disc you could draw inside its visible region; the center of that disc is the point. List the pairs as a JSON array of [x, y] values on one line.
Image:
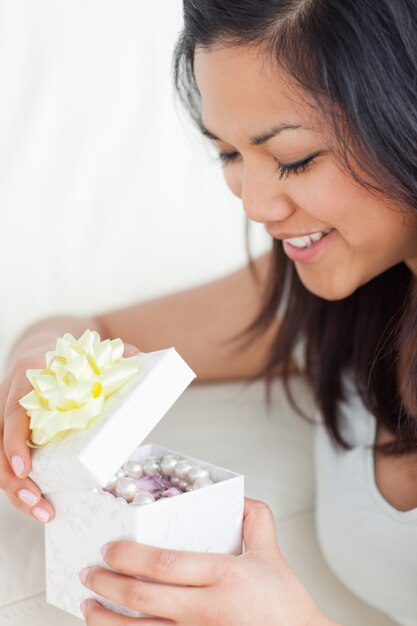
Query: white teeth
[[307, 240], [300, 242]]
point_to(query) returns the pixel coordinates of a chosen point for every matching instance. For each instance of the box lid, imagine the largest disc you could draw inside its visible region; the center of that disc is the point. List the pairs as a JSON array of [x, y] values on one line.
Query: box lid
[[88, 458]]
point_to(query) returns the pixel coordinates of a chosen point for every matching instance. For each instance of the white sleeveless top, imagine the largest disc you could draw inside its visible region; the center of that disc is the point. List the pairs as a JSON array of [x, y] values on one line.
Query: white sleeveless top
[[370, 545]]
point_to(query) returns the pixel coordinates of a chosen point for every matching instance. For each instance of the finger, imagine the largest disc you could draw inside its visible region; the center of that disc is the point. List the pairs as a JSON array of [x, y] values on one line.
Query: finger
[[139, 595], [16, 427], [24, 494], [259, 531], [42, 510], [195, 569], [130, 350], [96, 615]]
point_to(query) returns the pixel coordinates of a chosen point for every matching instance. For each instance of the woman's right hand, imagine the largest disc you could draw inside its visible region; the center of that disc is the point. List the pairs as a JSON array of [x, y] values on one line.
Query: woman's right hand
[[15, 460]]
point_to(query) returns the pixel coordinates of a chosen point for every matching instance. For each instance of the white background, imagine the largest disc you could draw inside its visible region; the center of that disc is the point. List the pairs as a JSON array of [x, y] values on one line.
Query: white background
[[107, 194]]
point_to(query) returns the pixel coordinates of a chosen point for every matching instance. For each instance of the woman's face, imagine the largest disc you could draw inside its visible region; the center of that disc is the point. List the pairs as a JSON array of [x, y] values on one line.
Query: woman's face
[[260, 124]]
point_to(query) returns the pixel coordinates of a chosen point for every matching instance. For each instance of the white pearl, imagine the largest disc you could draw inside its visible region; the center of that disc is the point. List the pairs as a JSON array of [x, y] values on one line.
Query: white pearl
[[126, 488], [151, 466], [121, 501], [189, 487], [175, 480], [168, 464], [202, 482], [120, 473], [182, 468], [183, 484], [198, 472], [133, 469], [143, 497]]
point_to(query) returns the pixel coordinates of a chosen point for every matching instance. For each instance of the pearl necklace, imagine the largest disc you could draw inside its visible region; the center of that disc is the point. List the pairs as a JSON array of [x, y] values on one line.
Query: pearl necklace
[[156, 478]]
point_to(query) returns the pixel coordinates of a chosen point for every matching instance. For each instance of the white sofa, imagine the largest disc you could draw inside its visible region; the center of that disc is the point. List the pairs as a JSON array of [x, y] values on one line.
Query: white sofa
[[107, 199]]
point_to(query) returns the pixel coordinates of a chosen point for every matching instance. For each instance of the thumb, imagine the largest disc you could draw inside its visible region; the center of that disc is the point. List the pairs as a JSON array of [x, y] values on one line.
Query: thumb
[[259, 532], [130, 350], [16, 424]]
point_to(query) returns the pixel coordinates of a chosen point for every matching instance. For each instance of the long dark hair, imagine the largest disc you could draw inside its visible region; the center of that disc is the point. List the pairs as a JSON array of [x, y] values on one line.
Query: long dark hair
[[358, 60]]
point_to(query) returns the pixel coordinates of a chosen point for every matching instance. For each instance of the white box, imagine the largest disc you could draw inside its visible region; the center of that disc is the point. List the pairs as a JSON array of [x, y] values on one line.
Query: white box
[[73, 470], [205, 520]]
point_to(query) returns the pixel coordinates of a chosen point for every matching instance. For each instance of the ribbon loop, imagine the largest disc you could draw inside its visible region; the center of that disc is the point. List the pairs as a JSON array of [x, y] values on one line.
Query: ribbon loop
[[73, 388]]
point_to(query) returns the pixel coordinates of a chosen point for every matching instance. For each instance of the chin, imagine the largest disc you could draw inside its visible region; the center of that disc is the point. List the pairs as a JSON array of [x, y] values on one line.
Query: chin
[[327, 289]]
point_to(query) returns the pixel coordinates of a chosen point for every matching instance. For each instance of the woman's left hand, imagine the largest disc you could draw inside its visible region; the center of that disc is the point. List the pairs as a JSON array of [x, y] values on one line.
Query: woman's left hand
[[200, 589]]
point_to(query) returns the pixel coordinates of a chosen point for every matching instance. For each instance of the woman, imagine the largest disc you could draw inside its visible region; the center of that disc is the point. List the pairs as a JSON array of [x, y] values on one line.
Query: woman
[[312, 107]]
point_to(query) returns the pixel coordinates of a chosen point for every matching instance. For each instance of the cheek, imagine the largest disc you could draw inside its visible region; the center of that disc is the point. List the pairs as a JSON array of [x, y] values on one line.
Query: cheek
[[323, 194], [395, 237], [360, 217], [337, 200]]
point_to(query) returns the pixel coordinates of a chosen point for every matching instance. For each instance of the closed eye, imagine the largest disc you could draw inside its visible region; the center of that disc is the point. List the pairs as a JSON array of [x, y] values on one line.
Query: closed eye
[[284, 169], [228, 157], [296, 168]]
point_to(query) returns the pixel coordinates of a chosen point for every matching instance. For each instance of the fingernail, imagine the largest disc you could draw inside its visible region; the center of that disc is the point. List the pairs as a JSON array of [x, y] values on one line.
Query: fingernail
[[27, 496], [104, 550], [83, 606], [18, 465], [83, 574], [41, 514]]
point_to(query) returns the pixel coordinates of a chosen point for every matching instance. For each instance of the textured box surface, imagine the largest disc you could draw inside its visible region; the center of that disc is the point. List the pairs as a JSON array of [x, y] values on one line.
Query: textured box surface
[[206, 520]]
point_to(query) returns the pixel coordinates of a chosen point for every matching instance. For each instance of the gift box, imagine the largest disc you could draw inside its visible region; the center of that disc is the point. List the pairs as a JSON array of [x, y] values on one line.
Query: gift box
[[74, 468]]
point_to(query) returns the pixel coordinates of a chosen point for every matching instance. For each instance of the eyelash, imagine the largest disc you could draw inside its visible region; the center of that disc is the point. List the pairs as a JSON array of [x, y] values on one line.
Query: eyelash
[[284, 170]]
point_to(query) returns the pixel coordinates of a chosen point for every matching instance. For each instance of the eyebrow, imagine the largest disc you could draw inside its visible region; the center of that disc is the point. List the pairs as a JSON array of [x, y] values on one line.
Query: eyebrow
[[257, 140]]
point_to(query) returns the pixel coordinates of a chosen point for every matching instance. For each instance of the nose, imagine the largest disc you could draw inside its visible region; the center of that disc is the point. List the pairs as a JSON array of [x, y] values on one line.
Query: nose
[[263, 197]]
